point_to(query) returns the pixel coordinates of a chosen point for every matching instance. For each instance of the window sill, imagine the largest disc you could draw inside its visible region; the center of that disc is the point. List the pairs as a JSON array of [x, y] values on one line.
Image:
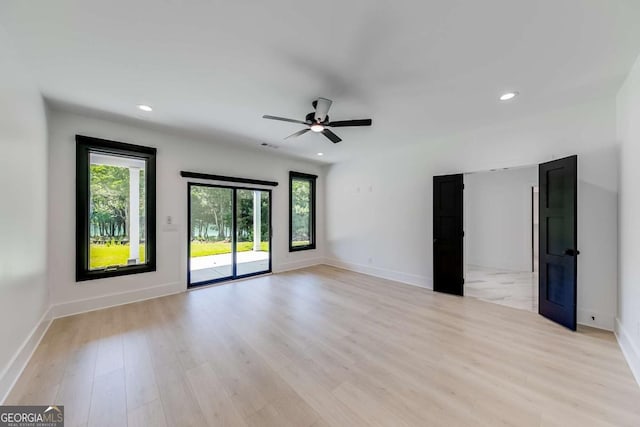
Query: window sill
[[301, 248], [83, 276]]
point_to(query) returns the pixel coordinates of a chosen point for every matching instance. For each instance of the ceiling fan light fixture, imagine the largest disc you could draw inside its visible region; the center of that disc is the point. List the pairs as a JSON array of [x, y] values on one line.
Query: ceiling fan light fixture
[[317, 127]]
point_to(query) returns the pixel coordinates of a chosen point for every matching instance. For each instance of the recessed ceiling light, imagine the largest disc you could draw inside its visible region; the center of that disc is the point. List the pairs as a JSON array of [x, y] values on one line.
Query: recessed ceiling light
[[144, 107], [317, 127], [320, 154], [508, 96]]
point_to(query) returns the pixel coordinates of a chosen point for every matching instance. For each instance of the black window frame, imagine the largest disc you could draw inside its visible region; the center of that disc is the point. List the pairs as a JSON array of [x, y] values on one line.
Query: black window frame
[[312, 182], [85, 145]]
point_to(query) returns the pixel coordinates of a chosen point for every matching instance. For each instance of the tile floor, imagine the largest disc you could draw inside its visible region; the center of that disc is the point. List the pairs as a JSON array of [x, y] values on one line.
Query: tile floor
[[510, 288]]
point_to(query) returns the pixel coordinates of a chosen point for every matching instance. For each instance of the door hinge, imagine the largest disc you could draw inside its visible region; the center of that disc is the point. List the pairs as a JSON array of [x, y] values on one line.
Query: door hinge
[[463, 280], [462, 233]]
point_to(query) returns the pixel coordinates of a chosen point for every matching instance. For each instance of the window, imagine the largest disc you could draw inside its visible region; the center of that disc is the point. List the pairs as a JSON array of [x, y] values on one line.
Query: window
[[302, 211], [115, 208]]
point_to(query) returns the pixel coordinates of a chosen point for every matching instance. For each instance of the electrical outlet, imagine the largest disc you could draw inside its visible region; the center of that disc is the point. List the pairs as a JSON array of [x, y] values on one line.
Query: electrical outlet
[[169, 220]]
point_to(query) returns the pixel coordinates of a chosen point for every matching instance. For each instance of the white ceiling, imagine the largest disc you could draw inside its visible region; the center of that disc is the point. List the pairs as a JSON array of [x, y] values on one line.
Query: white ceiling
[[420, 69]]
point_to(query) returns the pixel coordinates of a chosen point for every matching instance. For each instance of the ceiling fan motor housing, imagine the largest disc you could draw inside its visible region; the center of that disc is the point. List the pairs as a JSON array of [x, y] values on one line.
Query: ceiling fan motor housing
[[311, 118]]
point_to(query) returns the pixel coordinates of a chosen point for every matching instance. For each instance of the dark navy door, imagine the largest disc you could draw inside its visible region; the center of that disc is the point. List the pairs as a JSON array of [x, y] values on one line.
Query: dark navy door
[[448, 268], [558, 241]]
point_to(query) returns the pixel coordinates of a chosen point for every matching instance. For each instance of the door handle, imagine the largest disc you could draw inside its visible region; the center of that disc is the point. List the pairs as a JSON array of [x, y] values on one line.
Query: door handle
[[572, 252]]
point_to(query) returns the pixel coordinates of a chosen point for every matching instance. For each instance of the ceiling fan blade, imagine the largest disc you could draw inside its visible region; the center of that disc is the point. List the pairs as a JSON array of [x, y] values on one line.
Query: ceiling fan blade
[[345, 123], [297, 134], [322, 106], [332, 136], [282, 119]]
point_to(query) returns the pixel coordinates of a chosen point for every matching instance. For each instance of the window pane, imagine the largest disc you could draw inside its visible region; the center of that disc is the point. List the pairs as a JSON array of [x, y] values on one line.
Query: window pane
[[301, 212], [116, 211]]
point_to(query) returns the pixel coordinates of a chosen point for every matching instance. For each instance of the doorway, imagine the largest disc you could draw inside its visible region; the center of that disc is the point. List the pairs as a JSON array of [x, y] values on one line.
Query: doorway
[[557, 243], [229, 233], [500, 237]]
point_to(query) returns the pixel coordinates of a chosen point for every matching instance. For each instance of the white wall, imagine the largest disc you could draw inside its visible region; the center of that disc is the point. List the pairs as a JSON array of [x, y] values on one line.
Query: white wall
[[379, 207], [176, 152], [23, 216], [498, 218], [628, 322]]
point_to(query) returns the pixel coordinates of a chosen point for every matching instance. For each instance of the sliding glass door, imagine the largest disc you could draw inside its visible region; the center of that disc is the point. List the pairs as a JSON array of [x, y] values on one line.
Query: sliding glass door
[[253, 222], [211, 237], [229, 233]]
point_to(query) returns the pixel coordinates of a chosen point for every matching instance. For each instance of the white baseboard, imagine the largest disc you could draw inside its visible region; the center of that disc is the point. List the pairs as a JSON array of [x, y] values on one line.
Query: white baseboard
[[14, 369], [602, 320], [407, 278], [111, 300], [629, 350], [296, 265], [502, 269]]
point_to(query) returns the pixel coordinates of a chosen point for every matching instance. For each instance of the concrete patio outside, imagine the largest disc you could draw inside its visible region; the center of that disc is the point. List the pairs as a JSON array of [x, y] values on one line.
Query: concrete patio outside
[[213, 267]]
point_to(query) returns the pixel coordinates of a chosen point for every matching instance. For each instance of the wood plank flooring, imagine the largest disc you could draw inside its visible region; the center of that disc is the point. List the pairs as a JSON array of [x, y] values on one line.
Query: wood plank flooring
[[326, 347]]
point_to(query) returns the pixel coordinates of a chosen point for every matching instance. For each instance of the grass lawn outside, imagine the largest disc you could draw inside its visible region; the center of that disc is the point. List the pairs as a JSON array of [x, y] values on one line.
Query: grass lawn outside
[[199, 249], [102, 256]]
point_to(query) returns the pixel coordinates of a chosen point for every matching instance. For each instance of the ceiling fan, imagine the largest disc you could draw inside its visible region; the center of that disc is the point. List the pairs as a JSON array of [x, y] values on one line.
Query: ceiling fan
[[318, 121]]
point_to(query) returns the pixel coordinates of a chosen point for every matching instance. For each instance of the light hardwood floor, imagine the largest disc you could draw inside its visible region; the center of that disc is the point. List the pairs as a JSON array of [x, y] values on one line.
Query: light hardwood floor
[[324, 346]]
